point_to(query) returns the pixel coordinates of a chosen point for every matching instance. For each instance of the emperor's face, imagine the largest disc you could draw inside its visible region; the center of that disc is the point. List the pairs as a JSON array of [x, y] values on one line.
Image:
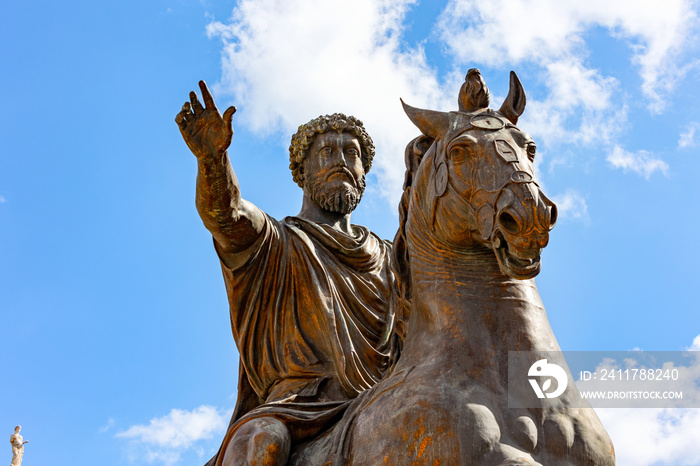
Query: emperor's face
[[333, 172]]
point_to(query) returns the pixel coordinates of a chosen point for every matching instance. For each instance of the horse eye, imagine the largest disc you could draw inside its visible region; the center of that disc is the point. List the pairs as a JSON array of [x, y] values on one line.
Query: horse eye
[[458, 153], [531, 151]]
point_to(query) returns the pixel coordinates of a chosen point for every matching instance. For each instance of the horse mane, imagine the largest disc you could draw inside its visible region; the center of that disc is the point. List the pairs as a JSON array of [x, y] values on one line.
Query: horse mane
[[415, 150]]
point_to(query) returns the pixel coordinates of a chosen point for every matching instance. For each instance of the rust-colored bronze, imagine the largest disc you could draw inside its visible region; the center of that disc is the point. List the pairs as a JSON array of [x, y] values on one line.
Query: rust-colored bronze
[[314, 323], [473, 222], [310, 296]]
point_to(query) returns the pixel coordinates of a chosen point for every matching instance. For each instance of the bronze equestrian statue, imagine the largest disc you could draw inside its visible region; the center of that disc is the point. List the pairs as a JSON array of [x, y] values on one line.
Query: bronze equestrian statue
[[473, 222]]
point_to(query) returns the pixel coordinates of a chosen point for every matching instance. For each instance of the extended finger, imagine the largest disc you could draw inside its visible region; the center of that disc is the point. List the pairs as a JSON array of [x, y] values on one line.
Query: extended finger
[[180, 120], [206, 95], [228, 115], [182, 117], [196, 105]]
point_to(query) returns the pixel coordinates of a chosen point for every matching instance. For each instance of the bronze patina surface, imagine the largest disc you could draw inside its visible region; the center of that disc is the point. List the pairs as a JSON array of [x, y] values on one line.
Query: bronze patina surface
[[310, 296], [473, 223]]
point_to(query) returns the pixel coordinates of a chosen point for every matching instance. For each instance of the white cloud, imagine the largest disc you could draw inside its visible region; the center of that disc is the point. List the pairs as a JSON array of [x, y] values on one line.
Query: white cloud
[[106, 427], [547, 32], [653, 436], [284, 63], [571, 205], [2, 200], [578, 108], [642, 162], [688, 137], [165, 438], [695, 346], [583, 105], [289, 62]]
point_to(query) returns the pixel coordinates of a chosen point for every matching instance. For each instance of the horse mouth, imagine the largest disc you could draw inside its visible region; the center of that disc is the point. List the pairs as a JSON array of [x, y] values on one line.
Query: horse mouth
[[510, 263]]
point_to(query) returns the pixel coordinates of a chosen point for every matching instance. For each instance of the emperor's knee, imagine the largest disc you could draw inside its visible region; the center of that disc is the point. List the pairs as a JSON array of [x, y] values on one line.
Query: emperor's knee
[[262, 441]]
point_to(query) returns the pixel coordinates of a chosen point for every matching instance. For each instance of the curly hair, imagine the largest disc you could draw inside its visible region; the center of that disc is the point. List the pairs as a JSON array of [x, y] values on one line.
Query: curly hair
[[306, 134]]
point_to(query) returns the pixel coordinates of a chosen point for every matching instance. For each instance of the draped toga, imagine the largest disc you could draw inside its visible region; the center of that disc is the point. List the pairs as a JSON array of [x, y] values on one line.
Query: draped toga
[[17, 449], [312, 314]]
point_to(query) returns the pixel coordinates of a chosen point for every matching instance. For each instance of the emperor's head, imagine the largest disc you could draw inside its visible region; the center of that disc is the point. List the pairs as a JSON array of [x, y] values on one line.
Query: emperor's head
[[329, 157]]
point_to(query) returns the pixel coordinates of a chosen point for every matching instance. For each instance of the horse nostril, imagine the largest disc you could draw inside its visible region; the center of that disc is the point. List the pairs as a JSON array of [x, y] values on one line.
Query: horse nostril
[[552, 216], [508, 223]]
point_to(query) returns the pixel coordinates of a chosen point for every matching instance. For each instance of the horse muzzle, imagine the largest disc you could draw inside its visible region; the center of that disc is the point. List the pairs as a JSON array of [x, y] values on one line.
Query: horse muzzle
[[522, 221]]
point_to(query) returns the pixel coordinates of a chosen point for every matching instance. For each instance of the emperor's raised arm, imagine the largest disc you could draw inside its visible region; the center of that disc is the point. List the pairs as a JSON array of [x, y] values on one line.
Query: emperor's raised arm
[[234, 223]]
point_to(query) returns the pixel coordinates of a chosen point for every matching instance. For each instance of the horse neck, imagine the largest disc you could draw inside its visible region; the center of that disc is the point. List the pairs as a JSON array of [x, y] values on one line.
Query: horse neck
[[461, 302]]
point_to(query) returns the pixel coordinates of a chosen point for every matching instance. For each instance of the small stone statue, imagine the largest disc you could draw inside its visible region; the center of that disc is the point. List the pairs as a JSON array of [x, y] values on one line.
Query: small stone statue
[[17, 447]]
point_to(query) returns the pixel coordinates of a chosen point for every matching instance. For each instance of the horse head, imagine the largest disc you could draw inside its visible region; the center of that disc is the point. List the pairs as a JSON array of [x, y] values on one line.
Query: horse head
[[475, 183]]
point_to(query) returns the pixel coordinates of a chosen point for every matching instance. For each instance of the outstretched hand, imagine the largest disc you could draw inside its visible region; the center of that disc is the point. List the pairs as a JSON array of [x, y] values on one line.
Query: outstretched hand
[[205, 131]]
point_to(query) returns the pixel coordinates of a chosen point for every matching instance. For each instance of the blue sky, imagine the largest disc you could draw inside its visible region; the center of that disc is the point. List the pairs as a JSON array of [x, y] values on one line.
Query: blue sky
[[115, 333]]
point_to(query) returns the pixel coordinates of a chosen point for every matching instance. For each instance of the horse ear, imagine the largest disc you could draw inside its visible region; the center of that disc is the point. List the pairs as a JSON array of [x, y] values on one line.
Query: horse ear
[[514, 105], [430, 122]]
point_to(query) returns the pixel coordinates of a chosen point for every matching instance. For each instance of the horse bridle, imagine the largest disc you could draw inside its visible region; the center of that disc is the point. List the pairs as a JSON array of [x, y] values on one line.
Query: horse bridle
[[517, 177]]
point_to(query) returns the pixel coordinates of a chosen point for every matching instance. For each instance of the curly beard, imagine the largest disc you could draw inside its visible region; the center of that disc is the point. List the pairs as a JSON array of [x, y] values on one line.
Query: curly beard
[[341, 199]]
